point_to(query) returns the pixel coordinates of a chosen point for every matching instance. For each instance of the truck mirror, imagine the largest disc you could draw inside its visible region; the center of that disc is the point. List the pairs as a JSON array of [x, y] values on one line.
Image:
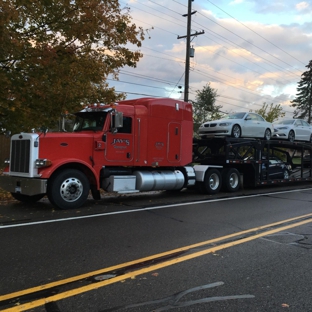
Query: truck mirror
[[116, 121]]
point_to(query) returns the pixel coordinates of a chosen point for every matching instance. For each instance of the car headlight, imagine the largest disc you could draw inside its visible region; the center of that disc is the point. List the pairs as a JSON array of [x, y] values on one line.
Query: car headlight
[[224, 124], [40, 163]]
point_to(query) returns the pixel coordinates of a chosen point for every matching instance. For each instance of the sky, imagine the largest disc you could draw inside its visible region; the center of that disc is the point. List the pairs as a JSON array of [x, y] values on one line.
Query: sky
[[251, 51]]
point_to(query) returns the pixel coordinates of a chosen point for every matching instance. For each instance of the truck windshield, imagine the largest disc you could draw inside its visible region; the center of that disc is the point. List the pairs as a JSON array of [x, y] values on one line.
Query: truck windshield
[[93, 121]]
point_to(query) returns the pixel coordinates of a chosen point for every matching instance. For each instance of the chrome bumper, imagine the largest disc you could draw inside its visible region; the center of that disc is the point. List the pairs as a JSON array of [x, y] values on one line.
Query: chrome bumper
[[25, 186]]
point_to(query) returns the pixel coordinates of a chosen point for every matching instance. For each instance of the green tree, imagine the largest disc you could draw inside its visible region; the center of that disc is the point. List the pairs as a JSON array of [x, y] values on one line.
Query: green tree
[[204, 106], [303, 100], [56, 56], [271, 112]]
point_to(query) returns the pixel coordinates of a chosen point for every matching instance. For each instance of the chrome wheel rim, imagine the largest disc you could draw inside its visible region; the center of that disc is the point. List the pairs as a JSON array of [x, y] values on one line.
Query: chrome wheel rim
[[291, 136], [236, 132], [71, 189], [214, 181], [233, 180]]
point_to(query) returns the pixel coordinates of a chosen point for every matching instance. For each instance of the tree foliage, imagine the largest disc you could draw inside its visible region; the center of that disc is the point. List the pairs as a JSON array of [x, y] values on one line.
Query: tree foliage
[[56, 55], [271, 112], [303, 99], [204, 106]]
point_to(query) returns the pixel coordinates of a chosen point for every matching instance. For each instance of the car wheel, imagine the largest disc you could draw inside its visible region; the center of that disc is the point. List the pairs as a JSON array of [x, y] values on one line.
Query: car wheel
[[291, 136], [26, 198], [236, 131], [286, 174], [212, 182], [69, 189], [267, 134], [230, 180]]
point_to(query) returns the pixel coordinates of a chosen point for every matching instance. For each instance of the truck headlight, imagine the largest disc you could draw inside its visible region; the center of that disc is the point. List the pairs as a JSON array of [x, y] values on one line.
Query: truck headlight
[[40, 163]]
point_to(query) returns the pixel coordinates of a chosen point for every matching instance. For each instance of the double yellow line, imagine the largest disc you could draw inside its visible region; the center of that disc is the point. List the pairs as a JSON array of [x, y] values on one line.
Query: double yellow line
[[279, 226]]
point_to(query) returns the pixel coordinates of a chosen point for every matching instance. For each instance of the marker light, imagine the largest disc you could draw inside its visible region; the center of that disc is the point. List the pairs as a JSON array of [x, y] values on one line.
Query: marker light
[[40, 163]]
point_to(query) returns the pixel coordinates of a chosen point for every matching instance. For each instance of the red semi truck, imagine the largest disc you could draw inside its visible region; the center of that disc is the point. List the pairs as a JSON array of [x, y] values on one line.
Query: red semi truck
[[136, 145]]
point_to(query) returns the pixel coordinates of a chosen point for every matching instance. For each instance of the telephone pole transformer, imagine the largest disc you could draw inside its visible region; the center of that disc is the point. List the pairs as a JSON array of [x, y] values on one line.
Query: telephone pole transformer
[[188, 47]]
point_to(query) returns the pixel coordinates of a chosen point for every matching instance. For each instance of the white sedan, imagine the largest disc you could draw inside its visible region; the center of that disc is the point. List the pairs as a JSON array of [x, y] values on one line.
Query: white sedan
[[293, 130], [241, 124]]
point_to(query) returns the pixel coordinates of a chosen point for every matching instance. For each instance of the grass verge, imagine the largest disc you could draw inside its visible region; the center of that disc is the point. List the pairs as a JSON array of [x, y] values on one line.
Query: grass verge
[[4, 195]]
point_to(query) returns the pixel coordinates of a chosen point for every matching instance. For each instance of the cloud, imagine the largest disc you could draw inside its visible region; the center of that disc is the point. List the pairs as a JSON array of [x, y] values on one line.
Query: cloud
[[302, 6], [247, 64]]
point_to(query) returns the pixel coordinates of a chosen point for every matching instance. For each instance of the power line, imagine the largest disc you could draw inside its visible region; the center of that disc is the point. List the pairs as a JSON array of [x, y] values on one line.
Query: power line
[[256, 33], [250, 44]]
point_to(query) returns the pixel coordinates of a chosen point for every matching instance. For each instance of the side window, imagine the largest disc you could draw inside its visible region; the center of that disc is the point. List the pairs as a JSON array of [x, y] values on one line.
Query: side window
[[127, 125], [298, 123], [253, 116]]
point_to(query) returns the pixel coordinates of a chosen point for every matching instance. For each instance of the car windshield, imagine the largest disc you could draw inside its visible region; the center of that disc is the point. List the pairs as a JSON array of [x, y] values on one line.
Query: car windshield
[[286, 122], [235, 116], [89, 121]]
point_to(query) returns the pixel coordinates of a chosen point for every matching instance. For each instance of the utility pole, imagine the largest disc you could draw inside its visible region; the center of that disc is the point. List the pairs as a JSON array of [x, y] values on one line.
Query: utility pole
[[188, 46]]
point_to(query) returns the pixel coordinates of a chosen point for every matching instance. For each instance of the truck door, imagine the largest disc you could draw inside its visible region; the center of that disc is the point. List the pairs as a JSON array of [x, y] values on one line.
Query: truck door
[[174, 142], [119, 145]]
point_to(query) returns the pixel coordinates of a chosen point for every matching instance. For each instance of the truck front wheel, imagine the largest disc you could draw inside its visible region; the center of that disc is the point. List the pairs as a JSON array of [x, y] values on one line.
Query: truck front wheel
[[69, 189], [26, 198], [212, 182]]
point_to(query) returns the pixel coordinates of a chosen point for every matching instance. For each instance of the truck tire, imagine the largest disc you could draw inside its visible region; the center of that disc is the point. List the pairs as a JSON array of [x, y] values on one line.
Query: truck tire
[[69, 189], [212, 182], [230, 180], [26, 198]]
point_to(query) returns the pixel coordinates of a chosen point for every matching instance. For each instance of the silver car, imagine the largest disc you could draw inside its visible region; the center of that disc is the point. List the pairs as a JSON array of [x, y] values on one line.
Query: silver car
[[241, 124], [293, 130]]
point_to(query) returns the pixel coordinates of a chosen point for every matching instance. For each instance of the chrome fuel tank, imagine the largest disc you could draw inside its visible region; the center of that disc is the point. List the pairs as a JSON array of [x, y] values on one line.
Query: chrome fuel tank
[[159, 180]]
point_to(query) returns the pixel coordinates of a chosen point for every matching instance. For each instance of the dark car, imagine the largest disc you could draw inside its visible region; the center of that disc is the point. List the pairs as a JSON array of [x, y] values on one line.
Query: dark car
[[278, 169], [307, 160]]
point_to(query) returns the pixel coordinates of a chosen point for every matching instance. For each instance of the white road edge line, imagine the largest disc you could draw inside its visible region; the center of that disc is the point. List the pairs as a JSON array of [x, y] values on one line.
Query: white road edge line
[[147, 209]]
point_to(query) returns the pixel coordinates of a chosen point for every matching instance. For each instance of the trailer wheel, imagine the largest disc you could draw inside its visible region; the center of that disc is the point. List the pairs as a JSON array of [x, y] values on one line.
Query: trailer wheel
[[212, 182], [236, 131], [69, 189], [291, 136], [230, 179], [267, 134], [26, 198]]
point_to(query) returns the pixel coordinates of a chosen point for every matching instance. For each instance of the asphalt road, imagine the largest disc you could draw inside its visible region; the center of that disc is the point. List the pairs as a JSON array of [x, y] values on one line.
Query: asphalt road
[[160, 252]]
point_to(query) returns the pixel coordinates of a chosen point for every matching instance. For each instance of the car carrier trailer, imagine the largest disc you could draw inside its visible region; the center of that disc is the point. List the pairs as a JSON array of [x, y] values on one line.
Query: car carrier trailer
[[247, 162]]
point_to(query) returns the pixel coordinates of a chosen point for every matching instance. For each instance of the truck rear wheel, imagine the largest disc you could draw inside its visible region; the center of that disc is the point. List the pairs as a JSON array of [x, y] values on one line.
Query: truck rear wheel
[[69, 189], [230, 179], [26, 198], [212, 182]]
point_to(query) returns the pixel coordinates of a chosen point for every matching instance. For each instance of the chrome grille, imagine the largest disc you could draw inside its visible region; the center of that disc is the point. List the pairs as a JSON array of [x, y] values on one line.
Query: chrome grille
[[20, 155]]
